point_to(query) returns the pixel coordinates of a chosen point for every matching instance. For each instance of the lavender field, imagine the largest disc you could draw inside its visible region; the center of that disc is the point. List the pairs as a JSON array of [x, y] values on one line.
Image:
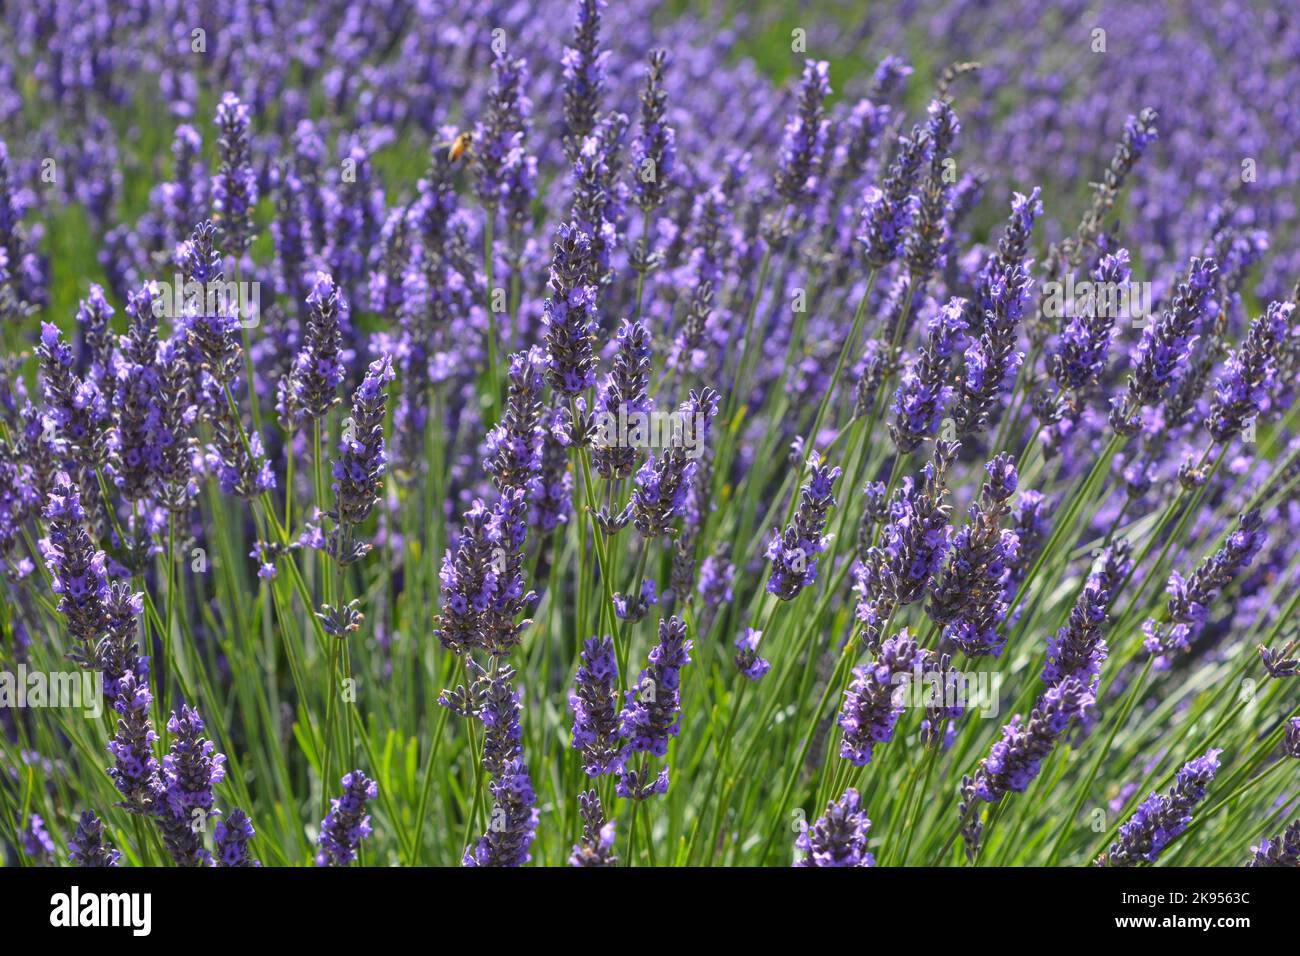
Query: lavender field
[[552, 433]]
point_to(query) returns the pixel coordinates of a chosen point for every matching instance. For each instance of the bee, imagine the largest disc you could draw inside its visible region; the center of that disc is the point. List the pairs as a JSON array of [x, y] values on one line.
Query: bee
[[463, 144]]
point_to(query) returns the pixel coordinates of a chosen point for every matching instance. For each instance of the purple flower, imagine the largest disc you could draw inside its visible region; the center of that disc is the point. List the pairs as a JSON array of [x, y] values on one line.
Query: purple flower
[[803, 144], [189, 772], [1188, 606], [76, 565], [1014, 761], [1283, 850], [311, 388], [874, 701], [654, 150], [594, 702], [570, 313], [970, 602], [750, 664], [359, 469], [37, 845], [663, 483], [514, 813], [347, 822], [89, 846], [888, 209], [232, 836], [514, 446], [793, 553], [136, 772], [234, 187], [1242, 392], [623, 398], [1164, 346], [1162, 817], [837, 839], [652, 712], [597, 846], [584, 76], [75, 406], [924, 392]]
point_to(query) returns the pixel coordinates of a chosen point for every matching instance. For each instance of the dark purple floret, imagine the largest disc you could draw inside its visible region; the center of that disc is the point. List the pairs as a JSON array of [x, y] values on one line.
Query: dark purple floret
[[1283, 850], [514, 446], [663, 483], [94, 318], [359, 469], [804, 142], [874, 701], [913, 543], [498, 140], [1280, 664], [888, 209], [570, 313], [76, 406], [311, 389], [1244, 389], [37, 844], [76, 566], [189, 772], [232, 836], [234, 187], [654, 149], [1079, 649], [925, 391], [623, 398], [1188, 607], [584, 76], [793, 553], [90, 846], [1291, 739], [1162, 817], [995, 317], [652, 712], [136, 772], [1014, 761], [927, 242], [970, 601], [837, 839], [514, 813], [347, 822], [597, 846], [1164, 346], [594, 702], [748, 662]]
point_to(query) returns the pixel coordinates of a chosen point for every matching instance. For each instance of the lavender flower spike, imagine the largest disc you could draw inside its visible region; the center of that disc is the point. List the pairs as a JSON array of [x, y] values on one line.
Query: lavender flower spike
[[232, 836], [594, 703], [597, 846], [1162, 817], [234, 187], [347, 822], [837, 839], [90, 847], [1283, 850], [748, 662], [1188, 607], [1242, 392], [794, 553], [873, 703]]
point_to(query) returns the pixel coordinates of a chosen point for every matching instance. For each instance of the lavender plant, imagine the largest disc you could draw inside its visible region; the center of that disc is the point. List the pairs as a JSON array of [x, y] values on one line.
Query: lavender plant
[[430, 354]]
